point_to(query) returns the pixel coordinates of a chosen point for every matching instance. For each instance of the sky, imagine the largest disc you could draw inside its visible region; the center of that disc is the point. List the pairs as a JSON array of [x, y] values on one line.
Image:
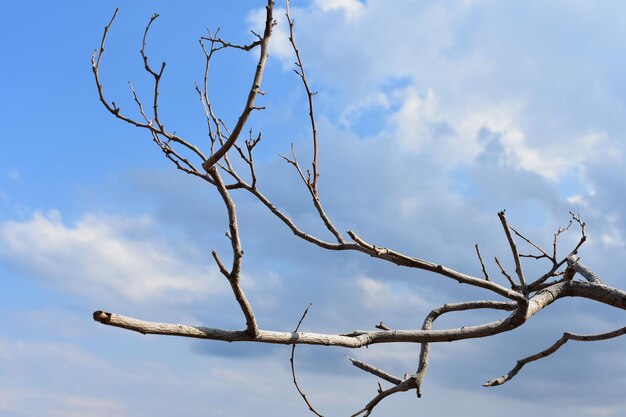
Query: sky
[[432, 117]]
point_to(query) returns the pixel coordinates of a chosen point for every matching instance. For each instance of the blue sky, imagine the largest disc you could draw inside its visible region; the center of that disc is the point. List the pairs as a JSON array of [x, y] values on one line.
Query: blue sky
[[433, 116]]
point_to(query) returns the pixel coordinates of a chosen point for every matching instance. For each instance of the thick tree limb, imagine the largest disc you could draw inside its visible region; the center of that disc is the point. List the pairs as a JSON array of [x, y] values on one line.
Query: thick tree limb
[[361, 338]]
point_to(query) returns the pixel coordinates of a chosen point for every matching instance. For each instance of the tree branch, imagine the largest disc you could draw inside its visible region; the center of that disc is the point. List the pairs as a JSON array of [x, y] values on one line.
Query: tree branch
[[254, 91], [482, 264], [516, 258], [360, 338], [435, 314], [526, 299], [300, 71], [293, 369], [583, 270], [549, 351], [400, 259], [375, 371], [235, 272]]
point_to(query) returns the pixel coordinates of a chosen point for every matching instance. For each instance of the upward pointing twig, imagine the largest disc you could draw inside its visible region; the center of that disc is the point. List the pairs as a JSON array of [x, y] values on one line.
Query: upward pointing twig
[[518, 264]]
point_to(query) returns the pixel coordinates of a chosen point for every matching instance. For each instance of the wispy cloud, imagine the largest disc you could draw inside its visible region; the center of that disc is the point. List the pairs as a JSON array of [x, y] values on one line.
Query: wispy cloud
[[98, 254]]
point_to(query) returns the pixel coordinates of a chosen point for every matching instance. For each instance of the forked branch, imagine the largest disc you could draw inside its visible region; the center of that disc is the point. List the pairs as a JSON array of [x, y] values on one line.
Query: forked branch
[[255, 89]]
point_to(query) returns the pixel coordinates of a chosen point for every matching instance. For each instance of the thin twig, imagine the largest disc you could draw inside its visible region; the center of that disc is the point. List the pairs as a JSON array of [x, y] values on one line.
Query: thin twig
[[375, 371], [157, 75], [482, 264], [312, 182], [96, 60], [508, 277], [518, 264], [583, 238], [560, 230], [534, 245], [311, 179], [293, 369]]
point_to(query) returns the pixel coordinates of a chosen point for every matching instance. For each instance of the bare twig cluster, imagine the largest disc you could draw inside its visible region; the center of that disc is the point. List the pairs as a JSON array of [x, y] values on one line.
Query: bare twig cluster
[[520, 297]]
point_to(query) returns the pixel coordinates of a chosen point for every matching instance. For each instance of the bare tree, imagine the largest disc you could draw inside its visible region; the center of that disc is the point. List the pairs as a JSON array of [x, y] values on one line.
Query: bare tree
[[520, 297]]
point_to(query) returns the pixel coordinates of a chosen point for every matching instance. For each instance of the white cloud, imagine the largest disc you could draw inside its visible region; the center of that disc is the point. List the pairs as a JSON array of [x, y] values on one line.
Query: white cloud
[[105, 255], [351, 8], [419, 118], [612, 235], [459, 75], [384, 297], [419, 66], [12, 350], [413, 118], [554, 162], [56, 404]]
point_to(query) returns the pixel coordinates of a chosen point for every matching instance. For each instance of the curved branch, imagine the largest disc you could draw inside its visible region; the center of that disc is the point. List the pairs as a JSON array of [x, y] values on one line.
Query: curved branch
[[435, 314], [157, 75], [549, 351], [293, 368], [96, 59]]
